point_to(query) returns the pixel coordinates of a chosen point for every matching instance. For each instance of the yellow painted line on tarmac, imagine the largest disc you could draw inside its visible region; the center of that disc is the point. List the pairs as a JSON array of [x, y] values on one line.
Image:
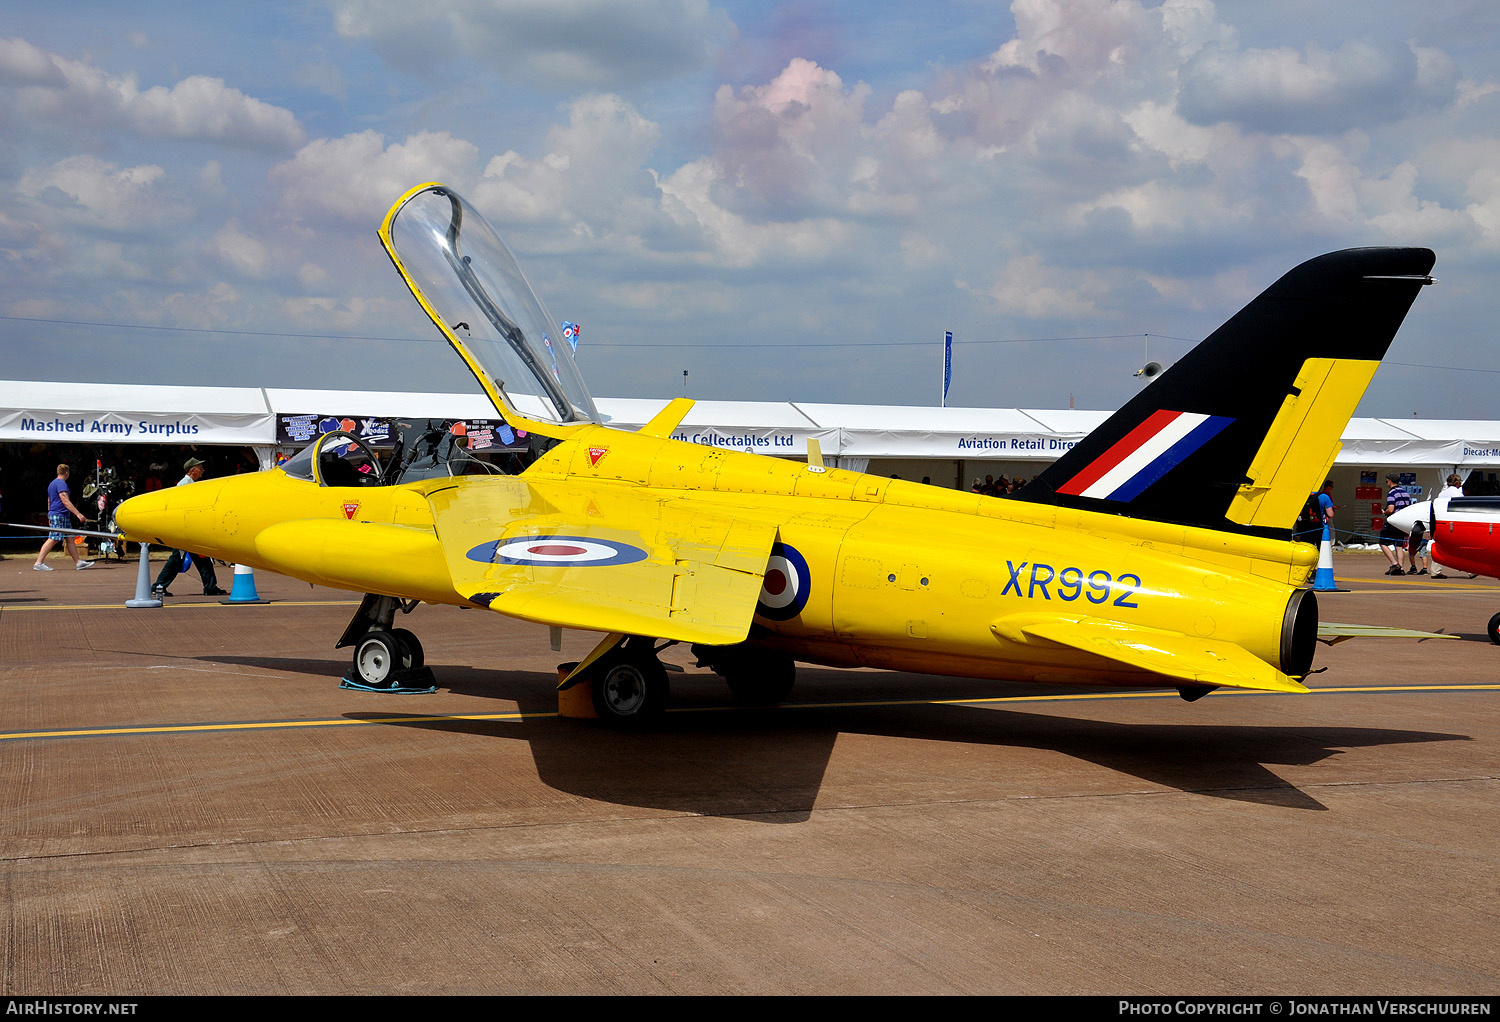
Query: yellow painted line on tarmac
[[1418, 592], [1408, 688], [270, 725], [419, 719], [1101, 696], [179, 606], [1421, 582]]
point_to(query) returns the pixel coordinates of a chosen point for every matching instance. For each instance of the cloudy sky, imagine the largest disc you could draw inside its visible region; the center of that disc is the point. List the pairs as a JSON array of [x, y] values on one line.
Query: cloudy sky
[[786, 200]]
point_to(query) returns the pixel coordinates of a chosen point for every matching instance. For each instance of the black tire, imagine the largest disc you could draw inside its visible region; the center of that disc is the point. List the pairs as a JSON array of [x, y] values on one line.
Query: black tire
[[413, 646], [629, 691], [761, 678], [1495, 629], [756, 677], [377, 657]]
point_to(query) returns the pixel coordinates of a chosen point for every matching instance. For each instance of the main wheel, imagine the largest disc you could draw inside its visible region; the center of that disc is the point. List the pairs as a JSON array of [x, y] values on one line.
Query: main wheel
[[760, 677], [379, 655], [630, 691], [1495, 629]]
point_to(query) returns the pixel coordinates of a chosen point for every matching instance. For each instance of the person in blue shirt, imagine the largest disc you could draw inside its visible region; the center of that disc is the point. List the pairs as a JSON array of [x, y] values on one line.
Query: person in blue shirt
[[59, 507], [1392, 539], [1317, 513]]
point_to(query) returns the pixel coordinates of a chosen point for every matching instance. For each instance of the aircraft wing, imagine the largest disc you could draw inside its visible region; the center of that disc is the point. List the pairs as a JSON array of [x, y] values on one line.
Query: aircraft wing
[[600, 557], [1332, 633], [1186, 658]]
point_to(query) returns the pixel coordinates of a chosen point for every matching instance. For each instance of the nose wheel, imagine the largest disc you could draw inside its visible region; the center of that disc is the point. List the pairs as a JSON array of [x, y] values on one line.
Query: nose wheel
[[385, 659], [378, 656], [1494, 629]]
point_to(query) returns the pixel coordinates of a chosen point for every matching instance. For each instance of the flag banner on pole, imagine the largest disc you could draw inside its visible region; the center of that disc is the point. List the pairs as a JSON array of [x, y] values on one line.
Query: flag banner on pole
[[947, 363]]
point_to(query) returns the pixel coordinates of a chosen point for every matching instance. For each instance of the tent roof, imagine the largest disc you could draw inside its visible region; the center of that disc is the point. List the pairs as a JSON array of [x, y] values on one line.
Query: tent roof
[[43, 396], [381, 403], [247, 415]]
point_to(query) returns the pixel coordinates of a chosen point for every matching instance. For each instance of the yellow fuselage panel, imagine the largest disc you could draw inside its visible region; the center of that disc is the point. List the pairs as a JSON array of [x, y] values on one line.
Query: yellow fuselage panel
[[912, 576], [898, 574], [296, 527]]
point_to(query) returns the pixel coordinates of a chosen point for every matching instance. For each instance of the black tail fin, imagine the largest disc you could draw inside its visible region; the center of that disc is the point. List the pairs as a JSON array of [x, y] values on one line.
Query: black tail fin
[[1238, 432]]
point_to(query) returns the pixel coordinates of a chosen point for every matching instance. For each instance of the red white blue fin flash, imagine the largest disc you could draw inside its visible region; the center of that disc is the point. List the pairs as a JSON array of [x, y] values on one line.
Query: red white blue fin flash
[[1145, 454]]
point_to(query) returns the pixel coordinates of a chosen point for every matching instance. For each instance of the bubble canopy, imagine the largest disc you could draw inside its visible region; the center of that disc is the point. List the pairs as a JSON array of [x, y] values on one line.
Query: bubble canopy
[[469, 284]]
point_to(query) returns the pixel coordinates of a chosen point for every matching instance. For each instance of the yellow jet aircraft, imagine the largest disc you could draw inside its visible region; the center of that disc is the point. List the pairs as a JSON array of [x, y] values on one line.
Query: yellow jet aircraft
[[1157, 552]]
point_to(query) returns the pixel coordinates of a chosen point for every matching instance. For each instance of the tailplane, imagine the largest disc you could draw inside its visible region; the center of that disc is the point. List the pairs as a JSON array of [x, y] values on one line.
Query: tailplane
[[1237, 433]]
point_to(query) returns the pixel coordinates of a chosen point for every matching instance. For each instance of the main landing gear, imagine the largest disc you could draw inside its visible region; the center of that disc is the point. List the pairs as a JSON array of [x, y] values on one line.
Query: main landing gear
[[1494, 629], [621, 682], [756, 676], [386, 659]]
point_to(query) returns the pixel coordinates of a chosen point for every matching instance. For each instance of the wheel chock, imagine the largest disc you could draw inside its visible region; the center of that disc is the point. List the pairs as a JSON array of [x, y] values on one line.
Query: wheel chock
[[412, 681], [577, 700]]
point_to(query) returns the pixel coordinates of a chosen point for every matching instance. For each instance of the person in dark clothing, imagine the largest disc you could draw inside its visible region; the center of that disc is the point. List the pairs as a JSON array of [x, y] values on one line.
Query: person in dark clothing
[[193, 471]]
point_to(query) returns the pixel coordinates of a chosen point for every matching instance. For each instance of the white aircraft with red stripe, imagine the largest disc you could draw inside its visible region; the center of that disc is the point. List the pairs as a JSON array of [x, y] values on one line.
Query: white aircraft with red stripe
[[1463, 536]]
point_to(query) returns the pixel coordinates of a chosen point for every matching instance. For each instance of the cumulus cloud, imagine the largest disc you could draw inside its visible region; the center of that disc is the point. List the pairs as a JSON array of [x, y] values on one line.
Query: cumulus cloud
[[355, 178], [1314, 91], [591, 180], [84, 191], [55, 92], [1025, 287], [240, 251], [21, 63], [793, 143], [1075, 40], [1106, 166], [735, 240], [549, 43]]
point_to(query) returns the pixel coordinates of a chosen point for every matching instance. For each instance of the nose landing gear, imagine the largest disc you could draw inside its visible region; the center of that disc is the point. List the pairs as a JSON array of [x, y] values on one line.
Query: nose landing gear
[[386, 659]]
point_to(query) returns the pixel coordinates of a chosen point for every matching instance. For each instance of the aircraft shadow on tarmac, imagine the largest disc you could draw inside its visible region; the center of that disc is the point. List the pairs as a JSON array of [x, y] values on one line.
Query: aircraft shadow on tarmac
[[710, 758], [6, 597]]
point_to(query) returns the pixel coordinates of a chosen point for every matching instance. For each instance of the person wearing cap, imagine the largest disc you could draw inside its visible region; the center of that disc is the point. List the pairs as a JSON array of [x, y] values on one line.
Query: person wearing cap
[[193, 471]]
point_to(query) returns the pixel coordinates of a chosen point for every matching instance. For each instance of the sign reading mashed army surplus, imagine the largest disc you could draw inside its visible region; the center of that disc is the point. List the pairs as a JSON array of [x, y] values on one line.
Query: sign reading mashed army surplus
[[116, 427]]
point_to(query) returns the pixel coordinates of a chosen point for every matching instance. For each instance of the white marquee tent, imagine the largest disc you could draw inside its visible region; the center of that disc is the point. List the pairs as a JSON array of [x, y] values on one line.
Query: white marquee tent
[[856, 435]]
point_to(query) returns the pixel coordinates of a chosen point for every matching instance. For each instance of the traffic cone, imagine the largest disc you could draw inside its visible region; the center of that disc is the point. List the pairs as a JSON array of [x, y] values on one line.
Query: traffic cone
[[1323, 578], [243, 590], [143, 597]]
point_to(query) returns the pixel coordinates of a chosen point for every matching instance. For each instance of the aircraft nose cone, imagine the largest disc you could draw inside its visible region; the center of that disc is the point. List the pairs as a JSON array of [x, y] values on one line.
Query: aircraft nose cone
[[143, 518], [1410, 515], [163, 516]]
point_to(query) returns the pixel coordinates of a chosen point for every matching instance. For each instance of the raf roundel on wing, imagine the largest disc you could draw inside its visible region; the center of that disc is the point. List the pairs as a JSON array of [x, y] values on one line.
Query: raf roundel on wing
[[557, 552]]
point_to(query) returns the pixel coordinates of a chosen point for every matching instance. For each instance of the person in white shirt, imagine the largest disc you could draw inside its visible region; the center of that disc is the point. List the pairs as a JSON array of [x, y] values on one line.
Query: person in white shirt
[[1453, 489]]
